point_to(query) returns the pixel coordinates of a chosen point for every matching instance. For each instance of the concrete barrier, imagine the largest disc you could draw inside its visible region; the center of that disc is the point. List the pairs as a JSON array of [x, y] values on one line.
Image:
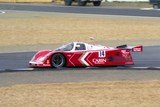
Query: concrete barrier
[[26, 1]]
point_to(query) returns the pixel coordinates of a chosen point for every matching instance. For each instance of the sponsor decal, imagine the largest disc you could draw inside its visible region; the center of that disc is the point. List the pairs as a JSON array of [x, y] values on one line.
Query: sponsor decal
[[137, 49], [99, 61]]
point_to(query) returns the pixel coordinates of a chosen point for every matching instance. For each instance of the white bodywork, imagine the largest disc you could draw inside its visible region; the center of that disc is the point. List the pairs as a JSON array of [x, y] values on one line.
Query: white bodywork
[[81, 46], [90, 46]]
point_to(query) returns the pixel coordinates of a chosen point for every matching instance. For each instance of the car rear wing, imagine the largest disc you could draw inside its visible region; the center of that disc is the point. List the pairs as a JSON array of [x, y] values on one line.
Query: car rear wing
[[138, 48]]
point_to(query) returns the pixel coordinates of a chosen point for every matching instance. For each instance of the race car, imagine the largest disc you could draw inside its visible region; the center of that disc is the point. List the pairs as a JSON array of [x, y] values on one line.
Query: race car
[[80, 54]]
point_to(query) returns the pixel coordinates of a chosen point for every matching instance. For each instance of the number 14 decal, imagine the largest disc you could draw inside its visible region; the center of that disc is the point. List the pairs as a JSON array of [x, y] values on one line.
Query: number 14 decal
[[101, 54]]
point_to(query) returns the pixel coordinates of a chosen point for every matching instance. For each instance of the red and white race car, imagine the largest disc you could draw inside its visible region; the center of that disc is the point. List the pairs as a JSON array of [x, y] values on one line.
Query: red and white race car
[[79, 54]]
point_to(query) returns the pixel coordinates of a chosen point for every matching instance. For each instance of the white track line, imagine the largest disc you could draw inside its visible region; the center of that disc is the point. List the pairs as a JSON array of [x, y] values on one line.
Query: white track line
[[149, 9], [118, 68], [2, 12]]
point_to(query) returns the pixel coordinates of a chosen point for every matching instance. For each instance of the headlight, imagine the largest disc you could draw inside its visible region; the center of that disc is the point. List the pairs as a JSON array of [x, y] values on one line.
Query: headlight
[[42, 59]]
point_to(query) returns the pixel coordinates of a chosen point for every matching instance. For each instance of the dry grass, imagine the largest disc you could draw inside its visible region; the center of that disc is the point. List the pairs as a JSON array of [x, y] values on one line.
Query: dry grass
[[112, 94], [44, 28], [48, 28]]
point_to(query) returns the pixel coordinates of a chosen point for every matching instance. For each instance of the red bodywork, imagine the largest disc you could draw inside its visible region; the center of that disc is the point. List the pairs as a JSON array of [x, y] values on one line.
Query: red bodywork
[[92, 58]]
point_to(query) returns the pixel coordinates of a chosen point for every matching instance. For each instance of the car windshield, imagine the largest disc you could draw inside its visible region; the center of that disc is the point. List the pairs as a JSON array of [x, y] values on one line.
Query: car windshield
[[67, 47]]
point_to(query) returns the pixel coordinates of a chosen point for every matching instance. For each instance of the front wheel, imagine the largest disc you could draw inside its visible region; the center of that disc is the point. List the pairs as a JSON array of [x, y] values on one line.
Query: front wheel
[[58, 60], [97, 3]]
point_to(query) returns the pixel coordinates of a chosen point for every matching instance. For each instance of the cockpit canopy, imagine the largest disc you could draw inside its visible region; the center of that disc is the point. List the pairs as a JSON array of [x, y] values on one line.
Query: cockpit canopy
[[67, 47], [76, 46]]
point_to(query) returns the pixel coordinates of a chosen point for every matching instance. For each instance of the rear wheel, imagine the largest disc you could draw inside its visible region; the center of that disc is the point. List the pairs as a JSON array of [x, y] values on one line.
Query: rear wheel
[[156, 6], [68, 2], [159, 5], [97, 3], [82, 3], [58, 60]]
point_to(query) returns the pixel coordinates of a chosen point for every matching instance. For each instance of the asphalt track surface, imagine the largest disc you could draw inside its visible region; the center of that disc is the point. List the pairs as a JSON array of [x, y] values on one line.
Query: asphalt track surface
[[68, 76], [81, 10], [150, 57]]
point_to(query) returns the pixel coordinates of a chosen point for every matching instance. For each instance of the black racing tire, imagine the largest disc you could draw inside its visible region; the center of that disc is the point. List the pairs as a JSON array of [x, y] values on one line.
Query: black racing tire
[[155, 6], [97, 3], [159, 5], [82, 3], [68, 2], [58, 60]]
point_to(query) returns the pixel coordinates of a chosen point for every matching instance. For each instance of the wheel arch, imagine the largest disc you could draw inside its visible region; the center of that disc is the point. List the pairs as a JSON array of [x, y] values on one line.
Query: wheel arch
[[65, 58]]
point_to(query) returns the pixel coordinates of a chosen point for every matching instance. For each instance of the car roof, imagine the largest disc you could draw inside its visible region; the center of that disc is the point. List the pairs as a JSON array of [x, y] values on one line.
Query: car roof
[[92, 47]]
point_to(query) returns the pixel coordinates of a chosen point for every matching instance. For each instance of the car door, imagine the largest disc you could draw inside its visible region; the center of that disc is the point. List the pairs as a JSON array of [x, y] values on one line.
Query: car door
[[75, 57]]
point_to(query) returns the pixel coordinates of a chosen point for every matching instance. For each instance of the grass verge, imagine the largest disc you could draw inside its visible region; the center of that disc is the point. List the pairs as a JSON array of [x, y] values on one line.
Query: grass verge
[[112, 94], [51, 28]]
